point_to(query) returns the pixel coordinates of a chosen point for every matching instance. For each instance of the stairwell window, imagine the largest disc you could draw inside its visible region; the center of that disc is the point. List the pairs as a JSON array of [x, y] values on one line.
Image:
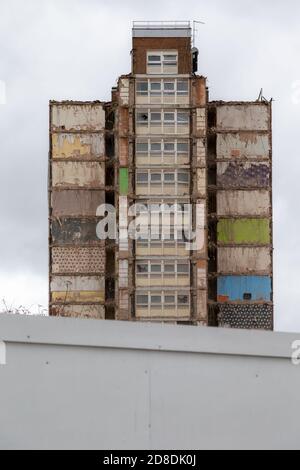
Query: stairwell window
[[162, 62]]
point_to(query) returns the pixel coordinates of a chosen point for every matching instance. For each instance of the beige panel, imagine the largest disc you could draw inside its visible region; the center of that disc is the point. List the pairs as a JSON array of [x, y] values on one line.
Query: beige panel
[[78, 146], [243, 145], [78, 174], [201, 305], [244, 260], [124, 91], [77, 283], [250, 203], [78, 117], [243, 117]]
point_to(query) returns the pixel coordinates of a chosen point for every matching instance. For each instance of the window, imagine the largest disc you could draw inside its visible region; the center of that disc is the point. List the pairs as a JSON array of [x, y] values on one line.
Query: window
[[182, 87], [182, 118], [155, 147], [162, 62], [155, 299], [169, 147], [142, 117], [155, 88], [142, 147], [169, 118], [169, 178], [183, 268], [142, 299], [169, 269], [154, 59], [155, 178], [170, 59], [247, 296], [156, 269], [183, 178], [156, 117], [182, 147], [142, 178], [142, 88], [170, 299], [169, 88]]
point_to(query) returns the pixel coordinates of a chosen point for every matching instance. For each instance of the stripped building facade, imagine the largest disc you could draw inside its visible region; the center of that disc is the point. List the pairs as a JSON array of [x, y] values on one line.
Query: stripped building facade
[[160, 141]]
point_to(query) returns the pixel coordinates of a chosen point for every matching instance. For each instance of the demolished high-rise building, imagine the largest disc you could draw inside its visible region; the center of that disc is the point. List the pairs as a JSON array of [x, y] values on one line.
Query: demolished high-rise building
[[191, 178]]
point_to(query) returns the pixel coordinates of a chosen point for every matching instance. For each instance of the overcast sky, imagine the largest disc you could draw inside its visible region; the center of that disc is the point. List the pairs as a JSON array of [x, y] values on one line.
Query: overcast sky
[[76, 49]]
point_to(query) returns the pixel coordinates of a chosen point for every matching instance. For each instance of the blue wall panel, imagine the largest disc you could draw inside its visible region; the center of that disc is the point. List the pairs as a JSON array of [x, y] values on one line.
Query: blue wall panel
[[238, 288]]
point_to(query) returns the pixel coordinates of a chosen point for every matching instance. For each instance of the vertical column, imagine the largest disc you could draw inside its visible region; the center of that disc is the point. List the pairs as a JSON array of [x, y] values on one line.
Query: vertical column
[[199, 172], [124, 116], [76, 190]]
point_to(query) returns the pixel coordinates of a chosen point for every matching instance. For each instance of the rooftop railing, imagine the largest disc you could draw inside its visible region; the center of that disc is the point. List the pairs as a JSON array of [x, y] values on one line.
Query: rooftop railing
[[161, 24]]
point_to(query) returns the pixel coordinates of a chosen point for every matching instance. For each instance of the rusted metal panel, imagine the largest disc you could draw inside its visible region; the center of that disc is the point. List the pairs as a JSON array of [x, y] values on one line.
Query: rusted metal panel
[[74, 231], [123, 121], [243, 145], [78, 174], [85, 260], [243, 116], [81, 146], [250, 317], [244, 260], [76, 202], [123, 151], [77, 117], [96, 312], [202, 274], [199, 91], [245, 203], [236, 174]]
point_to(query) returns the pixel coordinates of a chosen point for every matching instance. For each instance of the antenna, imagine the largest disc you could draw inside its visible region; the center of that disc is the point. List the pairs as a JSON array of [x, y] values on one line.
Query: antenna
[[195, 22]]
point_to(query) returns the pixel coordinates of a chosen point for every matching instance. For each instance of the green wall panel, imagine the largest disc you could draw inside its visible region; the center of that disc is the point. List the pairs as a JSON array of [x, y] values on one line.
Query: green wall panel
[[123, 181], [244, 231]]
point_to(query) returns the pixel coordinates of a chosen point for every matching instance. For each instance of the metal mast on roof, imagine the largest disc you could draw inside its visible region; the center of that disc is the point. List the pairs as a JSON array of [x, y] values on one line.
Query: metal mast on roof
[[195, 22]]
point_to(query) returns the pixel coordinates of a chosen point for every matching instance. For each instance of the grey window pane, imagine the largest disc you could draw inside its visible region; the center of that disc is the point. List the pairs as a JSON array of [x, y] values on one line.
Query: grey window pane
[[155, 116], [142, 299], [169, 177], [142, 147], [169, 268], [154, 58], [156, 268], [155, 86], [182, 86], [142, 177], [183, 268], [169, 299], [156, 147], [183, 177], [169, 146], [155, 299], [156, 177], [182, 147], [169, 117], [182, 117], [142, 86]]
